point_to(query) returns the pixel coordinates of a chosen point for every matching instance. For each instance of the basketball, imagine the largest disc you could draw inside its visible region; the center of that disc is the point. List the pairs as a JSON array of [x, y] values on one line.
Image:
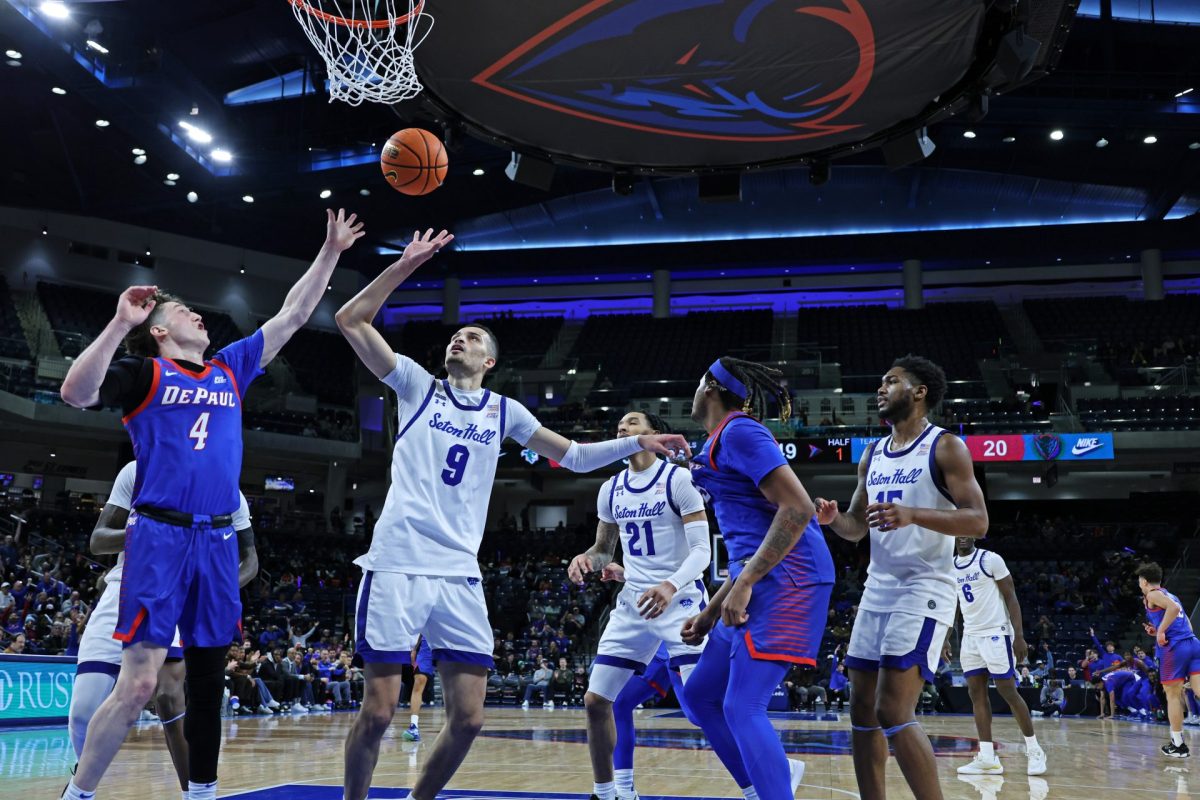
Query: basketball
[[414, 161]]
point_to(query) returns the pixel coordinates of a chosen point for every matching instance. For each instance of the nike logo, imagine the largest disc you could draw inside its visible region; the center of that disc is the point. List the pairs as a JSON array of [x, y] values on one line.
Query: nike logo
[[1086, 446], [227, 535], [168, 373]]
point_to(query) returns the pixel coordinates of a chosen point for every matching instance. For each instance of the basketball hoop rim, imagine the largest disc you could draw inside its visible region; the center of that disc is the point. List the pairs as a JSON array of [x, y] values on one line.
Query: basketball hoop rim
[[374, 24]]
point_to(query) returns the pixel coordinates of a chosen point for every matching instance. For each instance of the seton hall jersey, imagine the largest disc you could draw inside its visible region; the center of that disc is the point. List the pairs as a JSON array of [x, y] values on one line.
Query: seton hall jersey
[[979, 599], [443, 467], [912, 568], [648, 508], [187, 433]]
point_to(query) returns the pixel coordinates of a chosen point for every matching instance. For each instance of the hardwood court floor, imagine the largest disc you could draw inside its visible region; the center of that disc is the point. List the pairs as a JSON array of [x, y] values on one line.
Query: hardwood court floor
[[540, 751]]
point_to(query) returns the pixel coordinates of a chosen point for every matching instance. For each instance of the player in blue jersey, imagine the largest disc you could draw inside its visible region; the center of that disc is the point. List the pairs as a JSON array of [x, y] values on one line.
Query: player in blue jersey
[[421, 573], [771, 613], [1178, 650], [422, 666], [916, 492], [184, 416]]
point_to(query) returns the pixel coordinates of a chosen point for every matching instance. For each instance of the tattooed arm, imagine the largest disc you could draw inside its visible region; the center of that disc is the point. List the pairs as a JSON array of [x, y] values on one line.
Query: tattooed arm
[[783, 489], [599, 555]]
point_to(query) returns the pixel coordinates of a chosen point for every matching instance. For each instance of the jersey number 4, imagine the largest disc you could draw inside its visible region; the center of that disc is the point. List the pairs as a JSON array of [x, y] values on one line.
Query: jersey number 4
[[199, 431], [456, 465], [635, 533]]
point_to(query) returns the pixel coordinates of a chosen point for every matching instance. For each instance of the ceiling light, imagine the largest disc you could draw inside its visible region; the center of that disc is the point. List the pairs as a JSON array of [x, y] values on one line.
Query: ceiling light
[[1102, 142], [102, 123], [1194, 146], [172, 176], [477, 171], [58, 90], [54, 9], [137, 151], [192, 197], [1056, 135], [169, 182], [968, 134], [326, 194], [13, 53], [139, 160], [12, 62], [1151, 139], [147, 251], [99, 48], [224, 156], [242, 271], [247, 198], [196, 134], [365, 192], [1009, 139], [1177, 94]]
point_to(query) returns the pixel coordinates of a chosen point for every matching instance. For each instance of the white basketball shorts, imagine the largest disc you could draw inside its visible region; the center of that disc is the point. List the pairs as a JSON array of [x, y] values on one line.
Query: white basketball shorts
[[895, 640], [987, 654], [630, 640]]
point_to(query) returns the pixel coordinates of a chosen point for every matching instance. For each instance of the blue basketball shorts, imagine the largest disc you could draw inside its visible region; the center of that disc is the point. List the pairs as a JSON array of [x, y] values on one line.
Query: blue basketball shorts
[[1179, 660]]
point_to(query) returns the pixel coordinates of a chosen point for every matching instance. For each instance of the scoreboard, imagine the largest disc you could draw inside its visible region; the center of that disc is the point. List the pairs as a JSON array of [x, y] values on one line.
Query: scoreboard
[[1028, 447], [818, 450]]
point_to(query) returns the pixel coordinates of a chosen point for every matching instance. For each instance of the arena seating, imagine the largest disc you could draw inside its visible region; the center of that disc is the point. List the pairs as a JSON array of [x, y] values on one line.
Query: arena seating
[[870, 338], [1139, 414], [994, 416], [12, 337], [76, 314], [637, 347], [324, 365]]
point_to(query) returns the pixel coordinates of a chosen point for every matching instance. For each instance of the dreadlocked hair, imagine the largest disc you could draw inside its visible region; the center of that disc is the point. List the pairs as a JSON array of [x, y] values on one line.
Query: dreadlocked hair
[[762, 382]]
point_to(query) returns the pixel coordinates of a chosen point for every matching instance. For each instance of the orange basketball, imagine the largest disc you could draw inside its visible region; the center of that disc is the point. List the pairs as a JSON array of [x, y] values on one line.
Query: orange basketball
[[414, 161]]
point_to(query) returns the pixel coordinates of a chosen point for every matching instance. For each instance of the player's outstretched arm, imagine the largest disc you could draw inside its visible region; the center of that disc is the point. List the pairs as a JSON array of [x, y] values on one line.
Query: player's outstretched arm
[[108, 537], [356, 319], [587, 457], [1008, 591], [852, 525], [969, 518], [81, 386], [341, 233]]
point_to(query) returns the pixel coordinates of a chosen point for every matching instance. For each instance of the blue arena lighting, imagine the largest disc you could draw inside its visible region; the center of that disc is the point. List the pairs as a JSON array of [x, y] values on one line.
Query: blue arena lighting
[[296, 83], [201, 157], [343, 157], [1182, 12]]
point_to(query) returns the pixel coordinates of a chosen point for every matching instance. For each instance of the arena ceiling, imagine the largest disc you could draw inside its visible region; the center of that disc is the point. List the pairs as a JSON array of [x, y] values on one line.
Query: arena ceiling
[[1125, 172]]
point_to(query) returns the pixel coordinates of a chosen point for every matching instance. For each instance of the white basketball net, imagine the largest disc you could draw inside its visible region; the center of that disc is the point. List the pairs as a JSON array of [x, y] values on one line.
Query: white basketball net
[[367, 46]]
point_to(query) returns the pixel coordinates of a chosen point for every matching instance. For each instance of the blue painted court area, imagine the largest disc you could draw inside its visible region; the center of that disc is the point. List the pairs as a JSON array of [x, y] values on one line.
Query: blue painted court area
[[296, 791]]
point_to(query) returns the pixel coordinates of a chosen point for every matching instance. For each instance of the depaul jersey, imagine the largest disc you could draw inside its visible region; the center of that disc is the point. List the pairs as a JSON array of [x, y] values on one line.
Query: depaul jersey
[[1181, 627], [443, 467], [648, 508], [187, 433], [912, 568], [735, 459], [979, 599], [121, 496]]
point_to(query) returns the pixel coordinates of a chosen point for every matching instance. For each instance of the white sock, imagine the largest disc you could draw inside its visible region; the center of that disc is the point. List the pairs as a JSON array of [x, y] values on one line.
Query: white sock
[[73, 792], [202, 791], [749, 793], [187, 795], [1031, 743], [623, 778], [986, 751], [414, 719], [605, 791], [1177, 738]]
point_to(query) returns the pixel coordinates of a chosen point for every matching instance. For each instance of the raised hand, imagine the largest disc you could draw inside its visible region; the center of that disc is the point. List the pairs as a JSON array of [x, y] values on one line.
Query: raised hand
[[135, 305], [422, 247], [665, 444], [827, 511], [340, 232]]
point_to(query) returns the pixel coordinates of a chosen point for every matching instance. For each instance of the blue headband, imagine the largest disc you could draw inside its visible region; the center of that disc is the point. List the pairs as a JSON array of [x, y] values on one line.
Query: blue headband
[[726, 379]]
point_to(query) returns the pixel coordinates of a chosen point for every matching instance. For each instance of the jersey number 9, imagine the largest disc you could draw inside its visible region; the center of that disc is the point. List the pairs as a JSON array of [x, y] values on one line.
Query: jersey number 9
[[456, 463]]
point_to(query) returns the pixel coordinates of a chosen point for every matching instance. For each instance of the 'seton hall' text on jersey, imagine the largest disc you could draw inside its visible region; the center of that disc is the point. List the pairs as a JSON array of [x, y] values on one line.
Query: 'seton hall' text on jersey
[[898, 478], [471, 433]]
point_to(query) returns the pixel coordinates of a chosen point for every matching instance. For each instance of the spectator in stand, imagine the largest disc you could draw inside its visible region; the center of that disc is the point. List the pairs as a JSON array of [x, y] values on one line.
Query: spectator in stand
[[20, 595], [339, 681], [303, 671], [803, 691], [540, 683], [1089, 663], [269, 637], [839, 686], [1026, 678], [1110, 659], [243, 694], [269, 672], [561, 681], [300, 640], [17, 646], [1052, 699], [1074, 678], [573, 622], [1147, 660], [1044, 629], [7, 601]]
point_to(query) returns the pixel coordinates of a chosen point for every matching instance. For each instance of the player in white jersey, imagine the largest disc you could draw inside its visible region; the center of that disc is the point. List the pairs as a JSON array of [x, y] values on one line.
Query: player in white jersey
[[421, 575], [99, 659], [916, 492], [993, 644], [657, 513]]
